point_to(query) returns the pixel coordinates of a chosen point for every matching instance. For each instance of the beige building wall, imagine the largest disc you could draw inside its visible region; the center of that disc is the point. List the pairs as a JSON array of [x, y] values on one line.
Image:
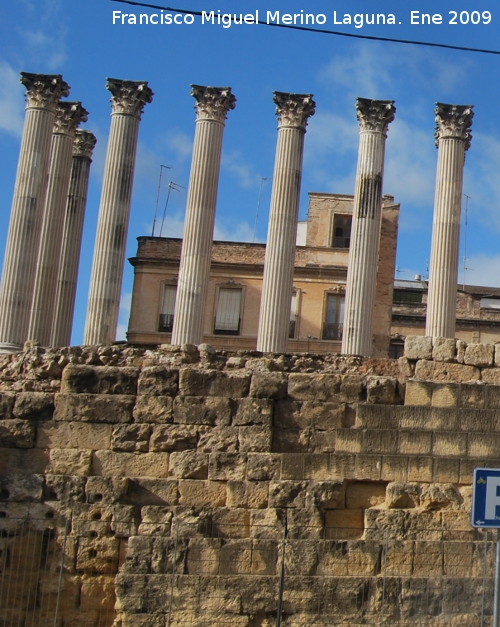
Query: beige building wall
[[320, 270]]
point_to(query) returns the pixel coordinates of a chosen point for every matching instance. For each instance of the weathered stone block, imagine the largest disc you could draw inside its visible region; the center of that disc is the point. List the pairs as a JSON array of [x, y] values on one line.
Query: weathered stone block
[[131, 438], [484, 445], [263, 466], [227, 466], [491, 394], [214, 383], [202, 493], [446, 470], [304, 523], [156, 409], [418, 347], [394, 468], [436, 371], [382, 391], [174, 438], [344, 523], [293, 466], [449, 444], [364, 494], [379, 441], [64, 488], [403, 495], [158, 381], [418, 393], [247, 494], [343, 466], [420, 468], [17, 433], [440, 496], [367, 467], [73, 434], [415, 442], [444, 349], [269, 385], [219, 439], [98, 555], [143, 491], [203, 556], [23, 461], [255, 439], [291, 440], [7, 400], [114, 464], [323, 441], [317, 467], [349, 441], [34, 406], [189, 465], [108, 490], [202, 411], [231, 522], [472, 395], [253, 411], [445, 395], [78, 379], [479, 355], [267, 523], [155, 520], [286, 494], [21, 488], [325, 495], [313, 387], [94, 408], [69, 461]]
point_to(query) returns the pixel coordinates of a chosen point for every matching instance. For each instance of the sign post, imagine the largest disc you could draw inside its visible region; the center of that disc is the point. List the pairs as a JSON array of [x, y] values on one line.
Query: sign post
[[485, 514]]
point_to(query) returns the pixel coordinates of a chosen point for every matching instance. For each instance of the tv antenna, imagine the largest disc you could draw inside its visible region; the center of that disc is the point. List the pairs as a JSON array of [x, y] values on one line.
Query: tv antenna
[[171, 187], [263, 178], [167, 167], [464, 266]]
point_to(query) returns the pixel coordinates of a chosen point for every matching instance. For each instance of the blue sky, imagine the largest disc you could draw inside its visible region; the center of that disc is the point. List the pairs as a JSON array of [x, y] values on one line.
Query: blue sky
[[79, 40]]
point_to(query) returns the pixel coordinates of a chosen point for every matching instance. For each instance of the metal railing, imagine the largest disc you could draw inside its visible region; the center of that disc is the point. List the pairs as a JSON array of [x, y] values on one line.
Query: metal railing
[[87, 571]]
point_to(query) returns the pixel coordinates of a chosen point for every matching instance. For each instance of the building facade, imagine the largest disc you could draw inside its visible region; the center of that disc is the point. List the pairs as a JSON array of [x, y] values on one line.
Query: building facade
[[235, 284]]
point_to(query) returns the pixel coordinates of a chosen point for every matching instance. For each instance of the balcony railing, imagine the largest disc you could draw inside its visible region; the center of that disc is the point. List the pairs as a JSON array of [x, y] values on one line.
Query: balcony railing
[[166, 323], [332, 331]]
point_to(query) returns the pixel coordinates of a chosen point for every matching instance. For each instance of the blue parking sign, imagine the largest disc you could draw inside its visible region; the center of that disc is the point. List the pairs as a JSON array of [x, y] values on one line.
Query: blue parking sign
[[485, 511]]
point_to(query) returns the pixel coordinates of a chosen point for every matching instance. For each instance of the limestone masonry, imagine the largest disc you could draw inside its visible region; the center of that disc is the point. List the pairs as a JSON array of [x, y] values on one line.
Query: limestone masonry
[[189, 483]]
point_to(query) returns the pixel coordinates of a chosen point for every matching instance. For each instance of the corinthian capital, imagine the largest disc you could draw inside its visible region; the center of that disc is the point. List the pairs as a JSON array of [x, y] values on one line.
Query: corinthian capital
[[453, 121], [293, 109], [68, 116], [212, 103], [375, 115], [43, 91], [84, 144], [129, 97]]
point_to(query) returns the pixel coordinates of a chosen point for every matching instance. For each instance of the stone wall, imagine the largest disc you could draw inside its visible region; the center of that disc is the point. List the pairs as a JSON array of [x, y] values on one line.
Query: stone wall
[[186, 474]]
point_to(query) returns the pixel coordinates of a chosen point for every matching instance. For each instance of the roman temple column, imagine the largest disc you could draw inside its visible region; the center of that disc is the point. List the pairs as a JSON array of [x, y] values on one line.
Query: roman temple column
[[212, 106], [453, 138], [127, 103], [83, 147], [43, 92], [374, 117], [293, 111], [68, 116]]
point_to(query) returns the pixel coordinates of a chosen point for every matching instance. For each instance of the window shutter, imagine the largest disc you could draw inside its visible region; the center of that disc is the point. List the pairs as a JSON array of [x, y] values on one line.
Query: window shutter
[[227, 317]]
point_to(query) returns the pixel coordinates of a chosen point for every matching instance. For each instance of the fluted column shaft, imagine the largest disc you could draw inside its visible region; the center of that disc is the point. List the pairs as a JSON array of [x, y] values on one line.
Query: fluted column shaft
[[452, 139], [374, 117], [72, 238], [128, 100], [212, 106], [23, 239], [274, 319], [68, 117]]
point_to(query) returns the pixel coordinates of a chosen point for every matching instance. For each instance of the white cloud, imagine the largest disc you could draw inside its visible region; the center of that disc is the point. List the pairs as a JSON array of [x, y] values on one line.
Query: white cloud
[[233, 162], [11, 102], [233, 232], [181, 144]]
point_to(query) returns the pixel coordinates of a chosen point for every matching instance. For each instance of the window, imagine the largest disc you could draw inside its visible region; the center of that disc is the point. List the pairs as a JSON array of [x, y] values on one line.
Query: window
[[334, 318], [396, 349], [407, 296], [228, 313], [293, 314], [341, 231], [166, 321]]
